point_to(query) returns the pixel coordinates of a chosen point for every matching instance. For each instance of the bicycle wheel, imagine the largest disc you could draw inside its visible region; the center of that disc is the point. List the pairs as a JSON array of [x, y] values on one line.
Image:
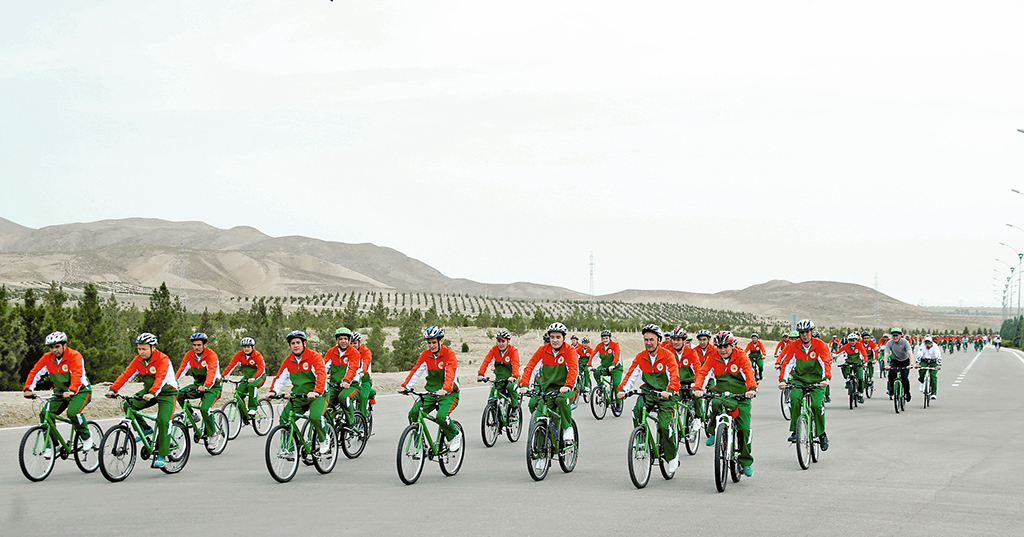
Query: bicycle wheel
[[179, 450], [638, 457], [569, 453], [88, 461], [869, 390], [117, 453], [538, 456], [325, 462], [282, 454], [514, 427], [411, 452], [218, 440], [927, 388], [354, 437], [598, 404], [264, 418], [450, 461], [37, 454], [692, 427], [803, 442], [490, 424], [813, 428], [721, 457], [785, 402], [230, 410], [897, 394], [851, 390], [734, 462]]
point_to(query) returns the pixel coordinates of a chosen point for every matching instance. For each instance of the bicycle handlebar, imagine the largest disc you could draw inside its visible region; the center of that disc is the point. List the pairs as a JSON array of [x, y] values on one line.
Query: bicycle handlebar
[[542, 395], [656, 393], [288, 396], [725, 395], [489, 380]]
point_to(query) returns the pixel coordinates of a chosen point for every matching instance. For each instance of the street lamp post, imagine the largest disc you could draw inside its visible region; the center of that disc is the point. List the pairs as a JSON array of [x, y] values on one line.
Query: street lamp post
[[1010, 278], [1020, 259]]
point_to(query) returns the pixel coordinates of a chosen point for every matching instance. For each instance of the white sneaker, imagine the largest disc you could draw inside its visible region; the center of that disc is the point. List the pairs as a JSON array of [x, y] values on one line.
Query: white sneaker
[[325, 447], [934, 397], [455, 444], [568, 435], [673, 465], [88, 444]]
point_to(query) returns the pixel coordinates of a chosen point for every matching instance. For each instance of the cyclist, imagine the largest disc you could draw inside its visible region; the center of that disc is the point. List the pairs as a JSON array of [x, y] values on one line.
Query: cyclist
[[254, 372], [585, 352], [808, 361], [899, 352], [305, 368], [872, 347], [555, 364], [608, 352], [202, 364], [343, 363], [506, 365], [732, 372], [834, 344], [66, 370], [704, 348], [688, 366], [755, 351], [367, 394], [856, 357], [159, 387], [929, 355], [660, 372], [575, 342], [442, 370], [782, 346], [997, 341]]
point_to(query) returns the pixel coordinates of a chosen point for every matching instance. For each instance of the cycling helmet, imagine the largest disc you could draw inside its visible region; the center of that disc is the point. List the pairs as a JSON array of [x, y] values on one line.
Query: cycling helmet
[[295, 334], [928, 339], [606, 333], [356, 337], [754, 335], [724, 338], [247, 341], [785, 335], [816, 334], [199, 336], [804, 325], [504, 334], [433, 332], [896, 330], [865, 334], [653, 328], [678, 333], [558, 327], [574, 336], [145, 338], [853, 336], [585, 339], [56, 337], [343, 332], [794, 334], [547, 338], [703, 332], [843, 341]]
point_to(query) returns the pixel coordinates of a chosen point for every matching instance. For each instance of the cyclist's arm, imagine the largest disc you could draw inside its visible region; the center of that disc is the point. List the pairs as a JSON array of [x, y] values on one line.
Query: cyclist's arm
[[212, 369], [127, 375], [615, 353], [487, 361], [451, 367], [38, 372], [531, 370], [630, 377], [417, 371], [320, 372], [261, 367], [515, 361], [163, 368], [180, 373], [76, 365], [572, 364], [279, 382], [232, 365]]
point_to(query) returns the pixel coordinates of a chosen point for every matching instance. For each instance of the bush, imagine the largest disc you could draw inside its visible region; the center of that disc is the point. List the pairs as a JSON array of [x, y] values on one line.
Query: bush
[[465, 347]]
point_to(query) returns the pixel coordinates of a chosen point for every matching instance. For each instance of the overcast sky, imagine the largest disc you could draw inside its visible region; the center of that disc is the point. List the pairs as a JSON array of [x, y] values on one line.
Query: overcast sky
[[696, 146]]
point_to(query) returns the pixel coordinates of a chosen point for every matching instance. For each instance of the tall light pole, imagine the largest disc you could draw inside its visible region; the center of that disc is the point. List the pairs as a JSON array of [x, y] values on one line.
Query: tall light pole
[[1020, 260]]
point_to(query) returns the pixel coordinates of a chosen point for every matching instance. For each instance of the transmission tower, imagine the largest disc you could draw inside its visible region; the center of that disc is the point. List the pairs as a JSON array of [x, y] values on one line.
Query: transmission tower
[[591, 280], [876, 299], [182, 292]]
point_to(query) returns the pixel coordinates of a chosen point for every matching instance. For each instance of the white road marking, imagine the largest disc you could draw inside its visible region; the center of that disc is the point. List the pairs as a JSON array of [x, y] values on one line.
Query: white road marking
[[966, 369], [1018, 355]]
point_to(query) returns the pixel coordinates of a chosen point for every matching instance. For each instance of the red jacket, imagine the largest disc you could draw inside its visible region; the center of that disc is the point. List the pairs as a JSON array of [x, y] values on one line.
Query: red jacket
[[664, 362], [209, 362], [240, 358], [71, 362], [510, 357], [158, 365]]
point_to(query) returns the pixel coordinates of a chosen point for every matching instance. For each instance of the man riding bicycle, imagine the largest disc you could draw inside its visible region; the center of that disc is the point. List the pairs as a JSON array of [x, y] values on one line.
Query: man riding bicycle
[[366, 392], [71, 389], [202, 364], [899, 351], [506, 366], [807, 362], [554, 365], [159, 387], [704, 348], [755, 351], [608, 352], [660, 372], [929, 356], [305, 369], [343, 362], [855, 359], [254, 372], [688, 366], [442, 369], [731, 370]]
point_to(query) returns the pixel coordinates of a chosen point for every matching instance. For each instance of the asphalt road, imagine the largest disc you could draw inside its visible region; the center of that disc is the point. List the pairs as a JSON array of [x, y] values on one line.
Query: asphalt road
[[954, 468]]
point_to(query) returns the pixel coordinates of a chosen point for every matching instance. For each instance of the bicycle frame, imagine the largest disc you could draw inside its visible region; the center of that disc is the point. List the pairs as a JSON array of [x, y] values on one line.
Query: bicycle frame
[[135, 420], [421, 420], [293, 424], [50, 421], [647, 417], [505, 403]]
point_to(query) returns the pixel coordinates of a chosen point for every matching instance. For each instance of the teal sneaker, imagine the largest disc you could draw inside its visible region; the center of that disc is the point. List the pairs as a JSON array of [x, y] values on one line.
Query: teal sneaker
[[711, 441], [748, 471], [158, 462]]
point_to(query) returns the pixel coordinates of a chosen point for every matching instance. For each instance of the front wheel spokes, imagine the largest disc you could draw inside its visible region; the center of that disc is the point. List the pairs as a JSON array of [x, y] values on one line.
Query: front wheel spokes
[[89, 460], [264, 418], [37, 453], [411, 453], [179, 448], [282, 454], [117, 453], [639, 457]]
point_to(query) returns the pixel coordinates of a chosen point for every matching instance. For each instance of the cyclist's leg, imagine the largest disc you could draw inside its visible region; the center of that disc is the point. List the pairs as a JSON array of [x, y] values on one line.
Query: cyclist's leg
[[616, 376], [209, 398], [746, 458], [563, 410], [796, 403], [935, 381], [445, 406], [347, 400], [666, 411], [905, 378], [638, 410], [892, 379], [709, 424], [76, 404], [317, 409], [424, 405], [818, 409], [920, 375], [164, 413], [365, 393], [859, 371]]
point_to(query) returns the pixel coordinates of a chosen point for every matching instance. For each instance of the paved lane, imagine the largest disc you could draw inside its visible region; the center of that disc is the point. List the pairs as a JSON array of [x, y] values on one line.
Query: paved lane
[[952, 468]]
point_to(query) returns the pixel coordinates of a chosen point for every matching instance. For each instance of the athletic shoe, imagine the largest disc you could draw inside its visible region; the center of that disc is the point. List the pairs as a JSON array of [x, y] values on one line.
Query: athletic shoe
[[933, 397], [710, 441], [325, 447], [828, 399], [908, 397], [158, 462], [455, 444], [823, 441], [792, 438], [568, 435], [748, 471], [88, 444], [921, 388]]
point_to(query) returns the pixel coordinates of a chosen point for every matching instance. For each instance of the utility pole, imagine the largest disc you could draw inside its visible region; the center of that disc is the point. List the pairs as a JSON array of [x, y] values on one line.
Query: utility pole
[[182, 292], [876, 300], [591, 280]]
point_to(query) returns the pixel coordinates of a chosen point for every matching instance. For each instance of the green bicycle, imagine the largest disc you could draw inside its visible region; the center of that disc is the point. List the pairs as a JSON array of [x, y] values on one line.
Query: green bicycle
[[688, 421], [351, 436], [287, 444], [545, 440], [190, 417], [929, 389], [43, 443], [899, 399], [501, 413], [644, 447], [237, 419], [118, 448], [416, 444], [806, 427], [602, 396], [727, 447]]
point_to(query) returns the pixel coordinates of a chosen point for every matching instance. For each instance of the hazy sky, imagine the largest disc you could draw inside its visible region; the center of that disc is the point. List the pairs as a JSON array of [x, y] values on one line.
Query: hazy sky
[[697, 146]]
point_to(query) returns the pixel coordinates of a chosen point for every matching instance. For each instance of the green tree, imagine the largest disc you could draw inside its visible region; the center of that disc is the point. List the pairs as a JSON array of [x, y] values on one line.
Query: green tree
[[93, 338], [485, 319], [32, 316], [409, 344], [12, 344], [165, 318], [379, 312], [351, 316], [375, 342], [55, 315]]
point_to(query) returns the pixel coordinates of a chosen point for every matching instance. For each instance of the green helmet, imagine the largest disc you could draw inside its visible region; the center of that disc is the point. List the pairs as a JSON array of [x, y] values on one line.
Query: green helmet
[[896, 330], [343, 332], [794, 333]]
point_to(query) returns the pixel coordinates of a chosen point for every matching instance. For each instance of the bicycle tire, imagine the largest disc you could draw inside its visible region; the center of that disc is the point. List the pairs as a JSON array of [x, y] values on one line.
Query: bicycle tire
[[216, 442], [231, 412], [411, 452], [37, 462], [179, 450], [721, 457], [282, 454], [117, 453], [692, 428], [663, 462], [88, 461], [264, 419], [927, 388], [734, 463], [897, 394], [803, 442], [812, 427], [449, 461], [514, 427], [568, 455], [638, 457], [325, 463], [869, 390], [353, 437], [785, 402], [490, 424], [538, 454], [598, 403]]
